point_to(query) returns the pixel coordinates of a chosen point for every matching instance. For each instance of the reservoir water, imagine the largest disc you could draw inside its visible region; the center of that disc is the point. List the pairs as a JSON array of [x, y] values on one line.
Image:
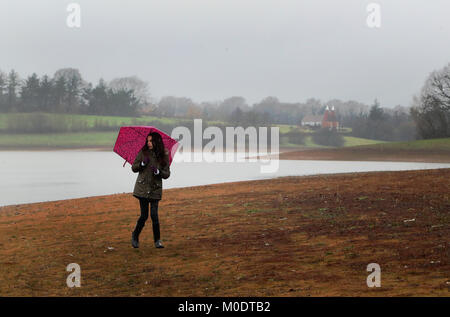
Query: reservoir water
[[37, 176]]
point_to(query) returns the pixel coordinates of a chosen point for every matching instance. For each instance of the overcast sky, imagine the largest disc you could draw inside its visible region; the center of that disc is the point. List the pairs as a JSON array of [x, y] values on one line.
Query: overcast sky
[[214, 49]]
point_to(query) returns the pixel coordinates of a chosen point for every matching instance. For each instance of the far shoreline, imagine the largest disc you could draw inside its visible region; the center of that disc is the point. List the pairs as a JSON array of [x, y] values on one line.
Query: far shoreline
[[305, 153], [96, 148], [50, 148]]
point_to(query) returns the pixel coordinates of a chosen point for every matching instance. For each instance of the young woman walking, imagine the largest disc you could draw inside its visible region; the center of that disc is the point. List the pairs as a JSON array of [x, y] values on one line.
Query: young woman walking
[[152, 164]]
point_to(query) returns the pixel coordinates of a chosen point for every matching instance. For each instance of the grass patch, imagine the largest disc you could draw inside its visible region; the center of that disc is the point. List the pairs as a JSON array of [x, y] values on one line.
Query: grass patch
[[59, 140], [90, 120], [425, 145], [310, 143], [354, 141]]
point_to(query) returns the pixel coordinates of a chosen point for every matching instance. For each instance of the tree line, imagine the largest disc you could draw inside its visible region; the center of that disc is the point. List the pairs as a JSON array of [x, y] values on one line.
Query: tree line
[[67, 92]]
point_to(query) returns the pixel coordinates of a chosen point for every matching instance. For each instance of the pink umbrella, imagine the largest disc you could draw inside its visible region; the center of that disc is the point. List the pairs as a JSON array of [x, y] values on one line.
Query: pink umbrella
[[131, 140]]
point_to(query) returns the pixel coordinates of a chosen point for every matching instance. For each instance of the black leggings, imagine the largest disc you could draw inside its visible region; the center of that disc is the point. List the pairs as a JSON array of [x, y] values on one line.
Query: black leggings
[[144, 202]]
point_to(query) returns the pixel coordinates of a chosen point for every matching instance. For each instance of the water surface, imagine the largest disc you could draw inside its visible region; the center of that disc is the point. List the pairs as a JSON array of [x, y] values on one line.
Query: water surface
[[37, 176]]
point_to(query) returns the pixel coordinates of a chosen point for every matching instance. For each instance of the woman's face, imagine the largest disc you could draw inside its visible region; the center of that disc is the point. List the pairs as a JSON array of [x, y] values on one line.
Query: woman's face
[[149, 142]]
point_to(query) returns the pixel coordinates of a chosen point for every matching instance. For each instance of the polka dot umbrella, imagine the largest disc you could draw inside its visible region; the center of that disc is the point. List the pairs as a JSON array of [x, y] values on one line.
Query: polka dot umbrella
[[131, 139]]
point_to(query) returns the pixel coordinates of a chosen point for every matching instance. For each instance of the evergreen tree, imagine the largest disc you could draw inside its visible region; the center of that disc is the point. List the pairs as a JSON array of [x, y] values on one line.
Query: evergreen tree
[[3, 86], [30, 94], [45, 94], [59, 95], [12, 89]]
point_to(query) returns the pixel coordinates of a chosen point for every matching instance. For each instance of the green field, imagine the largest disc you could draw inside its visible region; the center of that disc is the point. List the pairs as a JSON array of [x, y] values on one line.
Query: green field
[[348, 141], [90, 120], [354, 141], [107, 139], [442, 144], [284, 128], [59, 140]]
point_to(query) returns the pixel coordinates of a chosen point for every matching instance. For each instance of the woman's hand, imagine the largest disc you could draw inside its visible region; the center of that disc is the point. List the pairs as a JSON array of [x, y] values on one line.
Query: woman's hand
[[155, 170], [145, 161]]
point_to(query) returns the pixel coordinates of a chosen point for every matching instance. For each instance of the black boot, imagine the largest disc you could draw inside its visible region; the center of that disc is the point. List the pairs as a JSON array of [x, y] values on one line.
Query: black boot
[[135, 235], [134, 240]]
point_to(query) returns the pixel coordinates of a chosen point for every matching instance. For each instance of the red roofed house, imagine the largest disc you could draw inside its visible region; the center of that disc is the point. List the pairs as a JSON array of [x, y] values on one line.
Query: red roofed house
[[329, 119]]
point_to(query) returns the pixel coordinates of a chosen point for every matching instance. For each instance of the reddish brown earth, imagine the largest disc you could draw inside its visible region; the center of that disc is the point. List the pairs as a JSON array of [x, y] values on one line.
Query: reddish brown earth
[[366, 154], [290, 236]]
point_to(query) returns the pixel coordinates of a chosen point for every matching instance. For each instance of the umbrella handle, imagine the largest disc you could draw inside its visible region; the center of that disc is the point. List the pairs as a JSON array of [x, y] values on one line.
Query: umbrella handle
[[124, 163]]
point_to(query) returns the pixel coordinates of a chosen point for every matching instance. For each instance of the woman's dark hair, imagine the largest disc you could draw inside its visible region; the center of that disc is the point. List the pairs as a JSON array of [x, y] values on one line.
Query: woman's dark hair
[[158, 148]]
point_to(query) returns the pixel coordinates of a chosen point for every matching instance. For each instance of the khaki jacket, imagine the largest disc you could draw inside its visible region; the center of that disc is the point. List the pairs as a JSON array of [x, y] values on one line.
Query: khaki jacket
[[147, 184]]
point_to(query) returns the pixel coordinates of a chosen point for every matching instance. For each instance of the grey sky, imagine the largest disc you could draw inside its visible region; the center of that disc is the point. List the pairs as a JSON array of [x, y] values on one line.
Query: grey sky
[[214, 49]]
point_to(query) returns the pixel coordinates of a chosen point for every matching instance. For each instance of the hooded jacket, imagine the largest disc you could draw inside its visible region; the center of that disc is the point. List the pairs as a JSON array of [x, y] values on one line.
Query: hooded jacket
[[147, 184]]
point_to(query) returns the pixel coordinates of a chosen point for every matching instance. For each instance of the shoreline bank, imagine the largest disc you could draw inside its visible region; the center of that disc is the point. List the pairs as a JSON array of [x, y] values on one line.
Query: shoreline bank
[[288, 153], [367, 154]]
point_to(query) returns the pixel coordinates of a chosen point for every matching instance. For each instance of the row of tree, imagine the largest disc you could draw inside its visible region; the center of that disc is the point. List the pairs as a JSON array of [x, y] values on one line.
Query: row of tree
[[379, 124], [236, 109], [67, 92], [372, 122]]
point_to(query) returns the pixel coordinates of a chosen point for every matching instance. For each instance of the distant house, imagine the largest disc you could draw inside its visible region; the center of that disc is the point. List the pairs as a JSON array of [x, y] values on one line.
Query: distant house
[[312, 121], [327, 120]]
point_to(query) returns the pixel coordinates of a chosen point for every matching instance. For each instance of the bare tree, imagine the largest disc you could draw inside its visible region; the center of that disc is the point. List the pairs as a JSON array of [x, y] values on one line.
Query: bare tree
[[74, 83], [431, 110], [138, 86], [438, 86]]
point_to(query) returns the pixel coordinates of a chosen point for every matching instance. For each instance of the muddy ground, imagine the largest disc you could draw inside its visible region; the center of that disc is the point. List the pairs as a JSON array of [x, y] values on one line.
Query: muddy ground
[[368, 154], [290, 236]]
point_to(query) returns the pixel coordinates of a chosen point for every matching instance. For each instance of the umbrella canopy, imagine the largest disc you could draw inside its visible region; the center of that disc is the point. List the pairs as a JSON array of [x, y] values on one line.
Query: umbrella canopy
[[131, 140]]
